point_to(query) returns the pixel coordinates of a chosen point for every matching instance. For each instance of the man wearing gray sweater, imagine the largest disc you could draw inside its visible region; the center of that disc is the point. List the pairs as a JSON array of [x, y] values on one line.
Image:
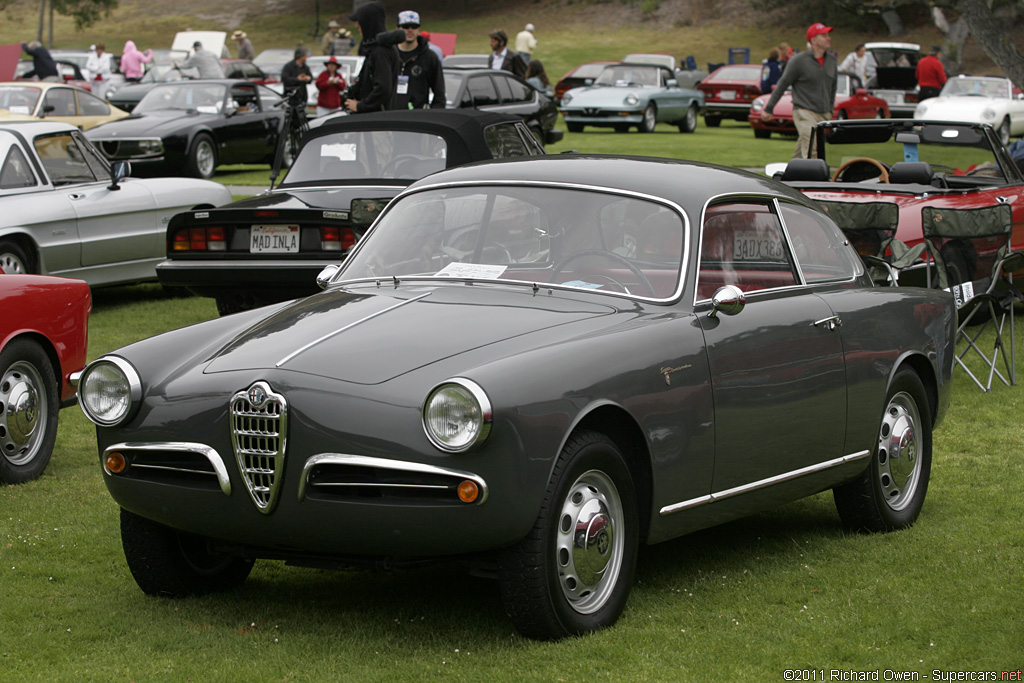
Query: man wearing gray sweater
[[812, 75]]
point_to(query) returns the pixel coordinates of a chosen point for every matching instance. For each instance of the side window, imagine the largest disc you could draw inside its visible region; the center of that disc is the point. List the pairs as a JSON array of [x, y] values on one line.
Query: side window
[[63, 159], [15, 172], [481, 89], [92, 106], [742, 244], [504, 141], [518, 91], [821, 250], [62, 100], [268, 98]]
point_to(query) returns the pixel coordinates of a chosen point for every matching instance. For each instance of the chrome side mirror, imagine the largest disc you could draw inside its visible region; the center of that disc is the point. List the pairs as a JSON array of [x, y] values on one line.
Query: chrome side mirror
[[324, 278], [729, 299], [118, 172]]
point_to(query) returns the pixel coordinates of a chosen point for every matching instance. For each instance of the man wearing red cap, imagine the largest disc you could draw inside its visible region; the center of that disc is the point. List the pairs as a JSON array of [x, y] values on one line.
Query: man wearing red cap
[[812, 75]]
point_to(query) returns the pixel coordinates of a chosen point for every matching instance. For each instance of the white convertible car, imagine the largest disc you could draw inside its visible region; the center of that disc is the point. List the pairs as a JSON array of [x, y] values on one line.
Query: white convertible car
[[64, 210], [978, 99]]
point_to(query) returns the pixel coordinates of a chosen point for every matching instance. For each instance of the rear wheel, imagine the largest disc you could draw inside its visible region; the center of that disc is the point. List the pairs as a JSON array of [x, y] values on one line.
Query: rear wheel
[[889, 494], [712, 121], [173, 564], [202, 157], [842, 115], [13, 259], [689, 122], [649, 120], [29, 402], [573, 572]]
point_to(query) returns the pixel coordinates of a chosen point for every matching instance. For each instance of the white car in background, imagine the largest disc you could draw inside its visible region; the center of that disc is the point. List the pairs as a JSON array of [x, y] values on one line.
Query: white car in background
[[978, 99]]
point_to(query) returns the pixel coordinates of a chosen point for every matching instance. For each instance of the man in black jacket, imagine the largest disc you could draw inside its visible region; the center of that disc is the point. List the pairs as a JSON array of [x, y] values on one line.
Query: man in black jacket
[[421, 71], [374, 88], [43, 66], [503, 58], [296, 73]]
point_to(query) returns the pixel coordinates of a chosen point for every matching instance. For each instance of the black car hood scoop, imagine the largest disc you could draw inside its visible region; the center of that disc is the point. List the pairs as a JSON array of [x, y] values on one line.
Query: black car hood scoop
[[370, 335]]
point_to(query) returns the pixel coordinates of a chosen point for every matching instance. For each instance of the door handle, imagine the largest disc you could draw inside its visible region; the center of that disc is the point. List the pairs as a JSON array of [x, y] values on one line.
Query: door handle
[[829, 323], [76, 195]]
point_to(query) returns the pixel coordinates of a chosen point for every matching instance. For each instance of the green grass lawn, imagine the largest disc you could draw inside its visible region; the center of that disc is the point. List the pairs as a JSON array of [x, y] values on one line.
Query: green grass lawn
[[746, 601]]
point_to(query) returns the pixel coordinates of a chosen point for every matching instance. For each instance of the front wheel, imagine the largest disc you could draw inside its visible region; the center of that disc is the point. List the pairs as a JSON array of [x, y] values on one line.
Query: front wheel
[[762, 134], [649, 120], [689, 122], [173, 564], [29, 402], [574, 127], [573, 571], [1004, 132], [889, 494], [202, 157]]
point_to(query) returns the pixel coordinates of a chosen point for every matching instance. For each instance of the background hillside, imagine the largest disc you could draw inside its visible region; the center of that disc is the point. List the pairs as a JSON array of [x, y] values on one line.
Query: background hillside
[[569, 31]]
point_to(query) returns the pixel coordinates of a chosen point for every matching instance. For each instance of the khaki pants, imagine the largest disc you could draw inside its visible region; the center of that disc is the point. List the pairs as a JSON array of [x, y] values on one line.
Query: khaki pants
[[805, 120]]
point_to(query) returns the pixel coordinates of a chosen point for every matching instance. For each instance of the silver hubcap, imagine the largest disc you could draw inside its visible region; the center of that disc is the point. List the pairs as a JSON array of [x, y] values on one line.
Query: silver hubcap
[[204, 158], [899, 451], [588, 547], [691, 118], [22, 406], [649, 118], [11, 264]]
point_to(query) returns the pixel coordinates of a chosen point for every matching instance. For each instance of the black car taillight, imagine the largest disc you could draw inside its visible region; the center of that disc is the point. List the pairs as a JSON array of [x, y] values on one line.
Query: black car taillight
[[199, 239], [333, 238]]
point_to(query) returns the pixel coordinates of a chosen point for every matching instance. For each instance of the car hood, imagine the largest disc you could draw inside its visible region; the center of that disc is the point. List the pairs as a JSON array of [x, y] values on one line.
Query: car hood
[[602, 94], [158, 123], [362, 333], [956, 108]]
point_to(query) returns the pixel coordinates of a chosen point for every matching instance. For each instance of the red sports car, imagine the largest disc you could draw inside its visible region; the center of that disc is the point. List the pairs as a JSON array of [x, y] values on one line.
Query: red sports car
[[43, 335], [852, 102], [728, 92], [579, 76]]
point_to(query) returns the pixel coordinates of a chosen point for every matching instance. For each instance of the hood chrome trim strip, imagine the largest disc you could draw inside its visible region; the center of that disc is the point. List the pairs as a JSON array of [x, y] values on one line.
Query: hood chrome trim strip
[[327, 336]]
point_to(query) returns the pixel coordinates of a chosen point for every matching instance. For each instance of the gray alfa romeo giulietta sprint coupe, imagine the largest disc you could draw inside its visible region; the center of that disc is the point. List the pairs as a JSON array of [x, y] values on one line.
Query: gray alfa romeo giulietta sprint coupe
[[536, 365]]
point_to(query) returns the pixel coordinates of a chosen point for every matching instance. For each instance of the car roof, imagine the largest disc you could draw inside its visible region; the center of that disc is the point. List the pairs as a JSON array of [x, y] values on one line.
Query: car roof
[[37, 127], [688, 183], [462, 129], [42, 85]]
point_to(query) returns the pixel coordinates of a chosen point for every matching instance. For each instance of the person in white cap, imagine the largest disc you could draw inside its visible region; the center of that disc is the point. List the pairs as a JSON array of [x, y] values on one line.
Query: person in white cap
[[421, 78], [812, 75], [526, 43]]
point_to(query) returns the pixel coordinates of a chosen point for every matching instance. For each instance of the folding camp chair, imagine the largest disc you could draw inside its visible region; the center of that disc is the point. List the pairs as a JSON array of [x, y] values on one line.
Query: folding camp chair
[[950, 235], [871, 228]]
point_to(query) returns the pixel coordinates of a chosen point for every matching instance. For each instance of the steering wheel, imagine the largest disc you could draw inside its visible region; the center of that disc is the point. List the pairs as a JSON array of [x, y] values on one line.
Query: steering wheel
[[393, 165], [560, 266], [883, 172]]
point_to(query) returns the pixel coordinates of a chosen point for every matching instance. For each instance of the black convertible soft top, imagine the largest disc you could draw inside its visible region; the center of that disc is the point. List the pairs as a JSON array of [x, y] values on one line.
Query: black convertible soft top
[[461, 129]]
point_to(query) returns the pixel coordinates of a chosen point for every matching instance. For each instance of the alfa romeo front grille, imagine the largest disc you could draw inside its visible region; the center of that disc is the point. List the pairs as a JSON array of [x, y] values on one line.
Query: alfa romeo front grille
[[259, 420]]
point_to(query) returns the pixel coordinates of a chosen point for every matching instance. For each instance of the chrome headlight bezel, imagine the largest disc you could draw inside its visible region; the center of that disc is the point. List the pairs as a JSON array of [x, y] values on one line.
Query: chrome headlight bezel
[[129, 393], [566, 99], [988, 113], [474, 414], [631, 100]]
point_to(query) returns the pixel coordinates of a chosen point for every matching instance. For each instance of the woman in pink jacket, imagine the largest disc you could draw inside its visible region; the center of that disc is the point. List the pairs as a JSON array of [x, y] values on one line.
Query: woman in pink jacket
[[132, 60]]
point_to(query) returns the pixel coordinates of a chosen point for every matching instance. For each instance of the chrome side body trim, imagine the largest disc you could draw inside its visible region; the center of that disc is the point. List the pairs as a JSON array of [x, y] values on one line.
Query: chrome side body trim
[[763, 483], [177, 447], [387, 464]]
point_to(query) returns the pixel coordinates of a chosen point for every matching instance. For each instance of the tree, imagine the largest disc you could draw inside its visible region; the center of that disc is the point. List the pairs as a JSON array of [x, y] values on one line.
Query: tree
[[84, 12], [991, 33]]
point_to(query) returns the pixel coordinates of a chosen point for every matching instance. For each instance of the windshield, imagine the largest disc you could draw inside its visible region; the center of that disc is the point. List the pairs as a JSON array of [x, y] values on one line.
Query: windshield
[[204, 97], [378, 154], [960, 156], [19, 99], [628, 74], [977, 87], [162, 73], [598, 241]]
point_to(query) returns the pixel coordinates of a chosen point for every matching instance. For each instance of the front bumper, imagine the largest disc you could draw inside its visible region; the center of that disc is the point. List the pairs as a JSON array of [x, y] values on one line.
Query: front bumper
[[739, 111], [602, 117]]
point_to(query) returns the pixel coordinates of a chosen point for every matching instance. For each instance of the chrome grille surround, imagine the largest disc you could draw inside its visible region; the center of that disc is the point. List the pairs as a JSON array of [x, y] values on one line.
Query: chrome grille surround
[[259, 429]]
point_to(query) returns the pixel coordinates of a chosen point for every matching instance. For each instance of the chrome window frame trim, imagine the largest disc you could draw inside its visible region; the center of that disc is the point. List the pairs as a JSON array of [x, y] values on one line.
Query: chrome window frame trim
[[486, 413], [134, 389], [763, 483], [550, 184], [220, 469], [385, 463]]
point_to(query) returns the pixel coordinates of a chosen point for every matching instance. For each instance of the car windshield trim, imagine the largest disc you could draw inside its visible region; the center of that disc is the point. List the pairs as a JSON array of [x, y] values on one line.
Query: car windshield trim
[[481, 275]]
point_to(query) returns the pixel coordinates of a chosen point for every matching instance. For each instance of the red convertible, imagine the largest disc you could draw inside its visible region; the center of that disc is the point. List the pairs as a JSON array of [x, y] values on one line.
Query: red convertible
[[43, 335], [852, 102], [916, 164]]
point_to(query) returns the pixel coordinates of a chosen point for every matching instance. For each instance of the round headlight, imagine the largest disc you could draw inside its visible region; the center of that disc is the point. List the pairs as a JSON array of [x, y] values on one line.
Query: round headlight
[[758, 105], [632, 100], [566, 99], [920, 111], [109, 390], [988, 113], [457, 415]]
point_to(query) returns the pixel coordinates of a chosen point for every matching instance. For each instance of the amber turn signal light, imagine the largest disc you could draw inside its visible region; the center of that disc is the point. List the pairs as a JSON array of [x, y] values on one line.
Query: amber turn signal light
[[468, 491], [116, 462]]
